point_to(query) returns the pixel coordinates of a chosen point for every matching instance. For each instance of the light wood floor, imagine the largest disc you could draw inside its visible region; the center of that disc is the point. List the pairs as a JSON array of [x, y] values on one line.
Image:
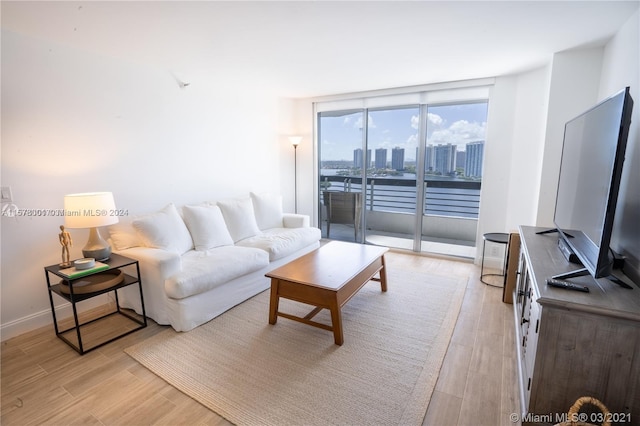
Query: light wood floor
[[44, 381]]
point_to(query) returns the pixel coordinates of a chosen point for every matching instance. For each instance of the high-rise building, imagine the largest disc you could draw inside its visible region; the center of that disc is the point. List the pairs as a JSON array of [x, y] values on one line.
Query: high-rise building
[[461, 159], [429, 159], [397, 158], [445, 158], [381, 158], [475, 157], [357, 158]]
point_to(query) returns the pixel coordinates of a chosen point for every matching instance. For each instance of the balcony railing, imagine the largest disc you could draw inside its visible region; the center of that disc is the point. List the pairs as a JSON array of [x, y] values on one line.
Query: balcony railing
[[451, 198]]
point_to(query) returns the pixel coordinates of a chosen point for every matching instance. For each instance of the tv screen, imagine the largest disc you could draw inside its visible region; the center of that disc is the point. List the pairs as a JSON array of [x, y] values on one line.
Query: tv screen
[[592, 157]]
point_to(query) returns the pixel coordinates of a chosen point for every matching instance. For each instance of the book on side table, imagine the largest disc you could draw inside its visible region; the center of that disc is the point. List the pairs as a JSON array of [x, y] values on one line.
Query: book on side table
[[73, 272]]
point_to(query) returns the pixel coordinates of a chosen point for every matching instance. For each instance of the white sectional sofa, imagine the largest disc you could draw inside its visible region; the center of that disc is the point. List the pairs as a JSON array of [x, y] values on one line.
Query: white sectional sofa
[[198, 261]]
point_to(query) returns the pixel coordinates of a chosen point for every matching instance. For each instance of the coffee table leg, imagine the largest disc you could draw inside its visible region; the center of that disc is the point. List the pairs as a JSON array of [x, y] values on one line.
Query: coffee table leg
[[273, 304], [336, 322], [383, 275]]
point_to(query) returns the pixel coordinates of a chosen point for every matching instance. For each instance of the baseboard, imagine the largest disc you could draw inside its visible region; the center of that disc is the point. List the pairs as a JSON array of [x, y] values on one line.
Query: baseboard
[[26, 324], [44, 318]]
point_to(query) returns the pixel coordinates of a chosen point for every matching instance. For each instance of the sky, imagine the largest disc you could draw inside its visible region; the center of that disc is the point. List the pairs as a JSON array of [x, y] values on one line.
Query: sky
[[390, 128]]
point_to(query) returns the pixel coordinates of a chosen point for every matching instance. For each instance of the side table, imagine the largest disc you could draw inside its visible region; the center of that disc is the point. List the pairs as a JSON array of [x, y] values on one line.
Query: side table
[[497, 238], [65, 290]]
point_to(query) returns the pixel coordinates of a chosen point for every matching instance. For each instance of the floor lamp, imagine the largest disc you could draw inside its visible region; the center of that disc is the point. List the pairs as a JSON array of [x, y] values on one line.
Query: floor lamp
[[295, 141]]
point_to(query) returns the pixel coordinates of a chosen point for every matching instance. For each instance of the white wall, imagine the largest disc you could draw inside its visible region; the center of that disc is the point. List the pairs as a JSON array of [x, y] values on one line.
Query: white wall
[[515, 142], [497, 166], [573, 88], [532, 99], [73, 121]]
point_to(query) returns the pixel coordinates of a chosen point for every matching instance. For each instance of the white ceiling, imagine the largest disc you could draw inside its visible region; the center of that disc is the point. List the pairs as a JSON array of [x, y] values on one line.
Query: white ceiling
[[303, 48]]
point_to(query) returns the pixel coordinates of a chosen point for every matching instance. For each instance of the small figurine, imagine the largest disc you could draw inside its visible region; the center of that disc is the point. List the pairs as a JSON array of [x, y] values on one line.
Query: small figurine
[[66, 242]]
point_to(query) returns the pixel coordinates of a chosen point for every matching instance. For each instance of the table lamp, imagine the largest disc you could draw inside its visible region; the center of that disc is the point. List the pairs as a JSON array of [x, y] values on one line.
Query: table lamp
[[91, 210]]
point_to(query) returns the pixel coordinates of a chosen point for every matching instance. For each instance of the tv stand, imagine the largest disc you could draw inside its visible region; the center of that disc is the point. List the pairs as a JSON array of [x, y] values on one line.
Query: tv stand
[[568, 342]]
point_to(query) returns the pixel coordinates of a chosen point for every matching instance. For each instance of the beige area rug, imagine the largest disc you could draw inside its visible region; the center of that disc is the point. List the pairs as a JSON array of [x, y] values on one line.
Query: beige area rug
[[253, 373]]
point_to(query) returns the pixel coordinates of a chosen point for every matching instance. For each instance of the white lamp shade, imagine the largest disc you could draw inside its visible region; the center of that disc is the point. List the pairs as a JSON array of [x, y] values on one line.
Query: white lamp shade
[[295, 140], [89, 210]]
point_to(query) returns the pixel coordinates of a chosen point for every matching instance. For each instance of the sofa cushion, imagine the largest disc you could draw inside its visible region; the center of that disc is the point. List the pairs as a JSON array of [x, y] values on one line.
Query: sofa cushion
[[165, 230], [240, 218], [123, 235], [281, 242], [204, 270], [207, 227], [268, 210]]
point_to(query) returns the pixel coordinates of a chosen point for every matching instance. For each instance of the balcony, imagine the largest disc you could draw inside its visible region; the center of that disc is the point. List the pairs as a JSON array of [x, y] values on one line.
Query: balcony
[[450, 213]]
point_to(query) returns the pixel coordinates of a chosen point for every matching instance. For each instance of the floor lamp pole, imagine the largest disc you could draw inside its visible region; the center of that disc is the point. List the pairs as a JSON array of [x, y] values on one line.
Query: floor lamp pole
[[295, 140], [295, 178]]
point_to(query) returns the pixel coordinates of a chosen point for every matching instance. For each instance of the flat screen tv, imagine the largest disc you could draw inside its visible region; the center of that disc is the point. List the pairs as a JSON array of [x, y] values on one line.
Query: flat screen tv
[[592, 158]]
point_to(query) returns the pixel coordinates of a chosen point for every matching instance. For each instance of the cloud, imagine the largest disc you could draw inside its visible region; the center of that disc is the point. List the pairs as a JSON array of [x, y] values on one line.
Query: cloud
[[434, 119], [358, 123], [415, 121], [460, 132], [412, 141], [439, 131]]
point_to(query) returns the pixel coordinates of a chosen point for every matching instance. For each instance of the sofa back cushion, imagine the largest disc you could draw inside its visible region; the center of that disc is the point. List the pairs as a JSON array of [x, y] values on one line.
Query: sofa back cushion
[[123, 235], [165, 230], [207, 227], [268, 210], [240, 218]]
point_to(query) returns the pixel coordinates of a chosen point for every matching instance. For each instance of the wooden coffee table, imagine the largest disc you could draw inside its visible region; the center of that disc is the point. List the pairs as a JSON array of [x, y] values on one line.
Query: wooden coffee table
[[326, 278]]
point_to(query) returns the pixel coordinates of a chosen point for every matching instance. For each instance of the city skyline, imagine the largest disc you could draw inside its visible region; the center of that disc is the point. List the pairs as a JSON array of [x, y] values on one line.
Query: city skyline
[[442, 158], [459, 124]]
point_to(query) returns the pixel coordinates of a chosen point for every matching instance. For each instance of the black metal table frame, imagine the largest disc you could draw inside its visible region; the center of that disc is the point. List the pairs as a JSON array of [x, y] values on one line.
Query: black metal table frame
[[115, 262], [498, 238]]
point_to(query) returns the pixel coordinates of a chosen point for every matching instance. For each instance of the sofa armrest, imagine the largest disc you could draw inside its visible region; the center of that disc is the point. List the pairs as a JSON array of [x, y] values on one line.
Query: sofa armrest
[[156, 265], [293, 220]]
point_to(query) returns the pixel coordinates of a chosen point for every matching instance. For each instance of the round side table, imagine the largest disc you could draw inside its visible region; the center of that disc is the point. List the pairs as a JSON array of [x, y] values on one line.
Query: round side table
[[497, 238]]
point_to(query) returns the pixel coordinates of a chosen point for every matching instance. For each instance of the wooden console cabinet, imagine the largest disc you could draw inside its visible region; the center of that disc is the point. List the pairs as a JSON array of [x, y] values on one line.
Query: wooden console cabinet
[[572, 344]]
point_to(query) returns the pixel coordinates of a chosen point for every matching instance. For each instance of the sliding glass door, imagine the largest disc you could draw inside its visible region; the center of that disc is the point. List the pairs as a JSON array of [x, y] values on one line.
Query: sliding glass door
[[342, 165], [453, 166], [406, 176], [391, 192]]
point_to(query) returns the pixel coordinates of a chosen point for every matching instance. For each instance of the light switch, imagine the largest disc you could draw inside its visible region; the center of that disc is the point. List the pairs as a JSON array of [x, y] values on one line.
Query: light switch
[[5, 194]]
